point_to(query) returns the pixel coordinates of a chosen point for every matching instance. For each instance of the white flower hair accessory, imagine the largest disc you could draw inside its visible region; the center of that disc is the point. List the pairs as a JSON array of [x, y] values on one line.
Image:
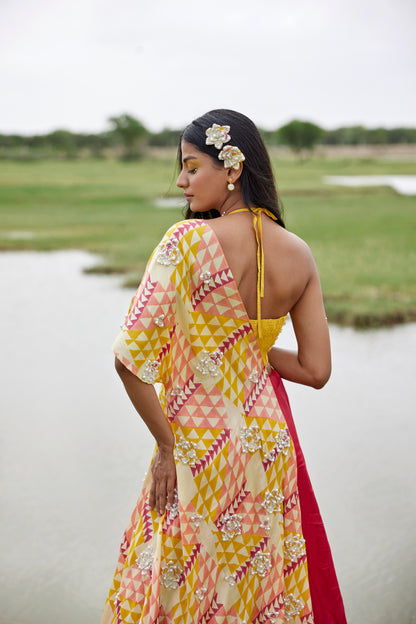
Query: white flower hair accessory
[[217, 135], [232, 156]]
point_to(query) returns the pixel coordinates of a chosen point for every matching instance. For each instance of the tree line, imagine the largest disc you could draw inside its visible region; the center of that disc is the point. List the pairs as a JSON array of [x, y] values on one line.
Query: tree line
[[128, 139]]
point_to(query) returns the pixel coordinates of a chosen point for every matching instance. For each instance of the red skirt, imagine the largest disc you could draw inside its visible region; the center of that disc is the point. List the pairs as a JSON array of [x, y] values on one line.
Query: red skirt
[[327, 604]]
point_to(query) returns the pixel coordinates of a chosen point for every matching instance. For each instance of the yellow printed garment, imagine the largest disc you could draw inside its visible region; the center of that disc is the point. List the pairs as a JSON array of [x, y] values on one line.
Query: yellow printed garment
[[230, 550]]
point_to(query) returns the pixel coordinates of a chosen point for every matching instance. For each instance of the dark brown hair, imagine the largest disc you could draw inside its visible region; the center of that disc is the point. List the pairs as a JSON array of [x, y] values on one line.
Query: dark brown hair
[[258, 185]]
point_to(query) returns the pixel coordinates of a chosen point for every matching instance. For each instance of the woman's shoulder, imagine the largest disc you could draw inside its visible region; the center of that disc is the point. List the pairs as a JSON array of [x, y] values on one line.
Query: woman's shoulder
[[181, 228]]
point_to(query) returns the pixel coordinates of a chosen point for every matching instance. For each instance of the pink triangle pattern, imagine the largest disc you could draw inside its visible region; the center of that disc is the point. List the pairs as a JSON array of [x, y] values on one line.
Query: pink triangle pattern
[[236, 335], [177, 404], [256, 392], [293, 565], [275, 605], [189, 563], [212, 453], [214, 608], [218, 279], [139, 305], [233, 506]]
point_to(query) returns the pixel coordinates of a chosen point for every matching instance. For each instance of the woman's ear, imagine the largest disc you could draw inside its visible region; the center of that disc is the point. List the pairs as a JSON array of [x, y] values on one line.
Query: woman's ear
[[235, 174]]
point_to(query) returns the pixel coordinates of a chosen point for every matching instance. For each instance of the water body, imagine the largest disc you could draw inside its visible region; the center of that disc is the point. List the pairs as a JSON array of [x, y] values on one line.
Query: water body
[[73, 451], [403, 184]]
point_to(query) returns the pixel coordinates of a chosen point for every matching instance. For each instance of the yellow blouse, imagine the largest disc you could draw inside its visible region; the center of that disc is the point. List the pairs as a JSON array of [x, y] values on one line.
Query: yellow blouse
[[270, 330]]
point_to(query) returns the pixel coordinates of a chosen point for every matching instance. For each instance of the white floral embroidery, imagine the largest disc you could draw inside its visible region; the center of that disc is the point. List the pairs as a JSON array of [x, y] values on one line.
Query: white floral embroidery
[[209, 363], [266, 524], [150, 371], [273, 615], [292, 607], [206, 277], [231, 580], [200, 593], [176, 391], [185, 452], [145, 560], [283, 441], [250, 438], [261, 564], [254, 376], [168, 253], [273, 500], [232, 156], [171, 574], [217, 135], [294, 547], [160, 320], [269, 455], [197, 519], [231, 526], [173, 509]]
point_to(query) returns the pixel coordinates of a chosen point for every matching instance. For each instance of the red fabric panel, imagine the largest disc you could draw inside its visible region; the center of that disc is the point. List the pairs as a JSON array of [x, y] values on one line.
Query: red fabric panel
[[326, 597]]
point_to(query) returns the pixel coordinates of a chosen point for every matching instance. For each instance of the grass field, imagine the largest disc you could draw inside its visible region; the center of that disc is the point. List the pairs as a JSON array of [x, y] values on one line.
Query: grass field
[[363, 240]]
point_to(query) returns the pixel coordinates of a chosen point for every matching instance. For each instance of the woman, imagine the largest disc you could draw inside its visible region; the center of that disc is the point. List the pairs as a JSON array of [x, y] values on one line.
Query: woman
[[217, 534]]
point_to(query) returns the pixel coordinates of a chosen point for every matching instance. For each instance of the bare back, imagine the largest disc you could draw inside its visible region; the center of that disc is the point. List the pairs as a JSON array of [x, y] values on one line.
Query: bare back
[[288, 262]]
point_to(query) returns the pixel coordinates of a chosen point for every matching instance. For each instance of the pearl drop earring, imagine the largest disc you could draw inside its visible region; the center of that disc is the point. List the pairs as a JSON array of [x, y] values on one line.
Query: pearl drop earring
[[230, 185]]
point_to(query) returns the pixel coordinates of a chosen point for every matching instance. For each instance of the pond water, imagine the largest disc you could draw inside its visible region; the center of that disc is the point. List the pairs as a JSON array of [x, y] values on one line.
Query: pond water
[[73, 451], [403, 184]]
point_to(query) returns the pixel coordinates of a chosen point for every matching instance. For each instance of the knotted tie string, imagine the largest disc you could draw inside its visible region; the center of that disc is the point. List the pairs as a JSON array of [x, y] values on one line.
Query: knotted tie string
[[260, 257]]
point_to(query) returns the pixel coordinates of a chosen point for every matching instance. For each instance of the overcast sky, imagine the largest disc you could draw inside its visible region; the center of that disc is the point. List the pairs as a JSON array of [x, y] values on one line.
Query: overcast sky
[[74, 63]]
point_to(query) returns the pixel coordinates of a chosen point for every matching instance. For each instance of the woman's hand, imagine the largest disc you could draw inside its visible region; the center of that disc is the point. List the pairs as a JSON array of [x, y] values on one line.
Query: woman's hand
[[162, 492]]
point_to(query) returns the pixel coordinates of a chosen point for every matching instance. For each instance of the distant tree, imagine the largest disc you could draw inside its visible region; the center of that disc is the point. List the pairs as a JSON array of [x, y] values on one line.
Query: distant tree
[[63, 142], [300, 135], [132, 134], [165, 138]]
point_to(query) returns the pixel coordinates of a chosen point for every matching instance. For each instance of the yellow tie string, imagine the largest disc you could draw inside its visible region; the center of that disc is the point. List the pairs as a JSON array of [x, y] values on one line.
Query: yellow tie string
[[260, 257]]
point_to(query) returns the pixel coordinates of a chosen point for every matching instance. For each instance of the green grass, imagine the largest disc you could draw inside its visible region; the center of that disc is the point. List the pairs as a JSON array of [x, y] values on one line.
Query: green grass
[[363, 240]]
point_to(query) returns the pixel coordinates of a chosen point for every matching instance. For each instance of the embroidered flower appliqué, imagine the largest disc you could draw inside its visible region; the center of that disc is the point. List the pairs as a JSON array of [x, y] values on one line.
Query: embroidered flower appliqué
[[231, 580], [294, 547], [250, 438], [150, 371], [282, 441], [261, 564], [254, 376], [176, 392], [171, 574], [168, 253], [185, 452], [209, 363], [197, 519], [273, 615], [292, 607], [145, 561], [173, 509], [273, 500], [206, 277], [160, 320], [231, 526], [200, 593]]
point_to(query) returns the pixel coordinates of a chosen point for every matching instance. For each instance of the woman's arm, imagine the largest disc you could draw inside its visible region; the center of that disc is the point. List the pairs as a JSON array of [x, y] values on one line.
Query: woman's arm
[[311, 365], [145, 401]]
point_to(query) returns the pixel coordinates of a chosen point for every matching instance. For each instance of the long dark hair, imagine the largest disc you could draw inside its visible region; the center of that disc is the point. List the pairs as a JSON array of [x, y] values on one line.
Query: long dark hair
[[258, 185]]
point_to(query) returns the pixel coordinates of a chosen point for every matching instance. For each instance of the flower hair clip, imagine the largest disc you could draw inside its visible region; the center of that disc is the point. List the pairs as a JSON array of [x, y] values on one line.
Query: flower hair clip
[[217, 135], [231, 155]]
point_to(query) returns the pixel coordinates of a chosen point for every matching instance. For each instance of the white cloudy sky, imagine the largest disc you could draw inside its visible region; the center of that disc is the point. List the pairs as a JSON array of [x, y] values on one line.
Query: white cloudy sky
[[73, 63]]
